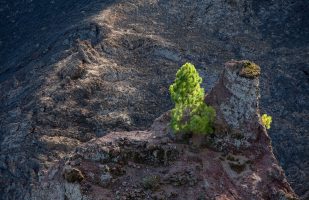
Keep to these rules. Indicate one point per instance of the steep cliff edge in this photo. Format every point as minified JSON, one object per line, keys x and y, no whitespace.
{"x":236,"y":162}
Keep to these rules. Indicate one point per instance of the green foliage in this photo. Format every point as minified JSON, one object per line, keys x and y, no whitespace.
{"x":191,"y":114}
{"x":266,"y":120}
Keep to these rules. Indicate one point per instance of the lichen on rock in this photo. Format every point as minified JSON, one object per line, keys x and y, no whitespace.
{"x":249,"y":69}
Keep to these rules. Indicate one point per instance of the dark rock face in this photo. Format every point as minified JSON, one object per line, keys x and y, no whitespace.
{"x":73,"y":71}
{"x":154,"y":165}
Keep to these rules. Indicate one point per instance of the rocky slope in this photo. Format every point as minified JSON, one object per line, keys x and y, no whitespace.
{"x":75,"y":70}
{"x":235,"y":163}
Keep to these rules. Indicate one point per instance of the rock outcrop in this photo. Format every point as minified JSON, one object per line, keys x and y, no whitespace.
{"x":236,"y":99}
{"x":236,"y":162}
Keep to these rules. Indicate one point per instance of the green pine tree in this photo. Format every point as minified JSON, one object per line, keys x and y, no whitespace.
{"x":190,"y":114}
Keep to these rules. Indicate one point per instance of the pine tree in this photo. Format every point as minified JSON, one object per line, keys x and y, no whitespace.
{"x":190,"y":114}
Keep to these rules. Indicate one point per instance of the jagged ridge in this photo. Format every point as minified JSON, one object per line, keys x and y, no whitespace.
{"x":236,"y":162}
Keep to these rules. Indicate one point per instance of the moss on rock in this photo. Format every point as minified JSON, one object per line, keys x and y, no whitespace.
{"x":249,"y":70}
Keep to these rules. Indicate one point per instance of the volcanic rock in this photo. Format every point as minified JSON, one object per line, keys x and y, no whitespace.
{"x":75,"y":70}
{"x":155,"y":165}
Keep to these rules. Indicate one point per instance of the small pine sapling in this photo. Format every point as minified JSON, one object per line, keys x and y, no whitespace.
{"x":190,"y":114}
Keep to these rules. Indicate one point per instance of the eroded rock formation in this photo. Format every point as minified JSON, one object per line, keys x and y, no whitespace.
{"x":236,"y":162}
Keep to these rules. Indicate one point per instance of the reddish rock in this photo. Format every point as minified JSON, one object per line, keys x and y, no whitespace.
{"x":237,"y":163}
